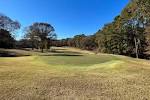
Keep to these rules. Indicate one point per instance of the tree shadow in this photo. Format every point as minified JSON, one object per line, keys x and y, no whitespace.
{"x":141,"y":56}
{"x":65,"y":52}
{"x":145,"y":56}
{"x":75,"y":55}
{"x":60,"y":49}
{"x":11,"y":54}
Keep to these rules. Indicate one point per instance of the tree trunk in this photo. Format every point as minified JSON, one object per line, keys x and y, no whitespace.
{"x":32,"y":45}
{"x":136,"y":48}
{"x":42,"y":49}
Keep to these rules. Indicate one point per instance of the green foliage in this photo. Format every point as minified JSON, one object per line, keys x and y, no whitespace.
{"x":83,"y":42}
{"x":79,"y":41}
{"x":126,"y":34}
{"x":6,"y":40}
{"x":7,"y":26}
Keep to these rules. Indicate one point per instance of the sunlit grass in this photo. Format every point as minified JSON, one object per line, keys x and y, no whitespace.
{"x":74,"y":75}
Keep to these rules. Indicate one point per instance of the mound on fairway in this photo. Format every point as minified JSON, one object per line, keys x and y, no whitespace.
{"x":73,"y":74}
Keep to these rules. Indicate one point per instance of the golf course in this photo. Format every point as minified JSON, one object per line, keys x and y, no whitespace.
{"x":74,"y":50}
{"x":72,"y":74}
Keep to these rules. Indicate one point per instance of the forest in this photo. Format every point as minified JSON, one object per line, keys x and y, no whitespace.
{"x":127,"y":35}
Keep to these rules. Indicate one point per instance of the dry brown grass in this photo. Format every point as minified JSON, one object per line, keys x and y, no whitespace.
{"x":30,"y":78}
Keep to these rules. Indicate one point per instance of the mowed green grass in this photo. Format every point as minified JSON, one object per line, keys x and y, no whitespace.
{"x":76,"y":61}
{"x":71,"y":74}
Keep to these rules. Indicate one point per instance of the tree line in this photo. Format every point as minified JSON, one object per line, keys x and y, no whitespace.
{"x":37,"y":35}
{"x":127,"y":34}
{"x":7,"y":27}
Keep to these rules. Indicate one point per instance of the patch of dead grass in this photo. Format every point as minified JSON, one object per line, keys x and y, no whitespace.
{"x":28,"y":78}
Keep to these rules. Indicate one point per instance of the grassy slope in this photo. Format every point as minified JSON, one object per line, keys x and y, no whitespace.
{"x":72,"y":74}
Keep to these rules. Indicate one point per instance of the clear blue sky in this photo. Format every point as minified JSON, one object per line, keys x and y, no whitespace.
{"x":69,"y":17}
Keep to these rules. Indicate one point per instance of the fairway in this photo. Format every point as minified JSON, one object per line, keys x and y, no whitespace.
{"x":71,"y":74}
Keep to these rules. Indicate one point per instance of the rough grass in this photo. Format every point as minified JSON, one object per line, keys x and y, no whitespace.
{"x":71,"y":74}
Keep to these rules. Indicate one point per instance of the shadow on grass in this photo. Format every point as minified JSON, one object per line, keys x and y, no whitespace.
{"x":145,"y":56}
{"x":141,"y":56}
{"x":12,"y":54}
{"x":75,"y":55}
{"x":60,"y":49}
{"x":65,"y":52}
